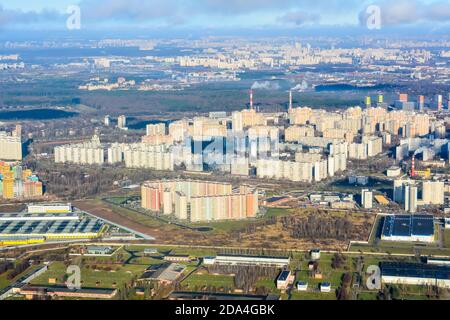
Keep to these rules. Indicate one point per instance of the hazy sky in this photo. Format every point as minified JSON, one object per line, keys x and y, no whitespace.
{"x":129,"y":14}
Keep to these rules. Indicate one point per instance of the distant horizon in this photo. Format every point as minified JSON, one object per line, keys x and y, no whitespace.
{"x":416,"y":33}
{"x":232,"y":17}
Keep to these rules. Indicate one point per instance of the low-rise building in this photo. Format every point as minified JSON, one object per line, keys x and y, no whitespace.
{"x":266,"y":261}
{"x":408,"y":228}
{"x":325,"y":287}
{"x":285,"y":279}
{"x":415,"y":274}
{"x":302,"y":286}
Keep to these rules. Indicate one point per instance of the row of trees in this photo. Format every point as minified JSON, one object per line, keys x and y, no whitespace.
{"x":318,"y":227}
{"x":344,"y":291}
{"x":4,"y":267}
{"x":245,"y":277}
{"x":18,"y":269}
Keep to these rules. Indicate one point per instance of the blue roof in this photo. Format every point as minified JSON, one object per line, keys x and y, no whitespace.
{"x":283,"y":276}
{"x":415,"y":270}
{"x":408,"y":225}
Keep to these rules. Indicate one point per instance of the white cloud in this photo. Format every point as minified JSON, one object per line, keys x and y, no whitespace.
{"x":405,"y":12}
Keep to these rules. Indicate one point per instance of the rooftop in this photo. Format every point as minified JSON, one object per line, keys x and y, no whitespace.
{"x":408,"y":225}
{"x":284,"y":275}
{"x":415,"y":270}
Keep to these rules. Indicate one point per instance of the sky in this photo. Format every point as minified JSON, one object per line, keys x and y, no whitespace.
{"x":221,"y":14}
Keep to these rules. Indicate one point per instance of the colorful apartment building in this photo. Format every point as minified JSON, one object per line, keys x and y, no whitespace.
{"x":18,"y":182}
{"x":198,"y":201}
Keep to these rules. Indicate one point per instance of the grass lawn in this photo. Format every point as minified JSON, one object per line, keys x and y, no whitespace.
{"x":367,"y":295}
{"x":201,"y":280}
{"x":4,"y":281}
{"x":117,"y":200}
{"x":329,"y":274}
{"x":267,"y":283}
{"x":90,"y":277}
{"x":227,"y":226}
{"x":296,"y":295}
{"x":447,"y":238}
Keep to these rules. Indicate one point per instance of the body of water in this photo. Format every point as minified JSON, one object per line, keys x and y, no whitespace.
{"x":36,"y":114}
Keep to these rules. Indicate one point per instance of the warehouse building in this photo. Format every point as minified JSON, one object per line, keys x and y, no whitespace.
{"x":31,"y":291}
{"x":50,"y":227}
{"x":415,"y":274}
{"x":50,"y":208}
{"x":408,"y":228}
{"x":263,"y":261}
{"x":166,"y":273}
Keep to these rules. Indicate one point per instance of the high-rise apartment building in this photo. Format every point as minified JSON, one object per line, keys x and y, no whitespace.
{"x":10,"y":147}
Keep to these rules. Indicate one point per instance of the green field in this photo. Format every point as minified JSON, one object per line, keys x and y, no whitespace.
{"x":202,"y":280}
{"x":227,"y":226}
{"x":296,"y":295}
{"x":91,"y":278}
{"x":447,"y":238}
{"x":4,"y":281}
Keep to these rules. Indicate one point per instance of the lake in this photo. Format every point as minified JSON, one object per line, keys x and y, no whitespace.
{"x":36,"y":114}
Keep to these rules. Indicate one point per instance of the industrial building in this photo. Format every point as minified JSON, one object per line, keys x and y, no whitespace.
{"x":200,"y":200}
{"x":50,"y":208}
{"x":415,"y":274}
{"x":408,"y":228}
{"x":49,"y":226}
{"x":263,"y":261}
{"x":20,"y":241}
{"x":166,"y":273}
{"x":31,"y":291}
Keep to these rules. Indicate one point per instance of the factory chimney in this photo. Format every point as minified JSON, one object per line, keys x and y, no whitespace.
{"x":413,"y":167}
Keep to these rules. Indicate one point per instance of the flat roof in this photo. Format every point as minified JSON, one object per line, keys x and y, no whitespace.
{"x":249,"y":257}
{"x":43,"y":216}
{"x":47,"y":227}
{"x":163,"y":272}
{"x":218,"y":296}
{"x":62,"y":289}
{"x":415,"y":270}
{"x":275,"y":199}
{"x":284,"y":275}
{"x":408,"y":225}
